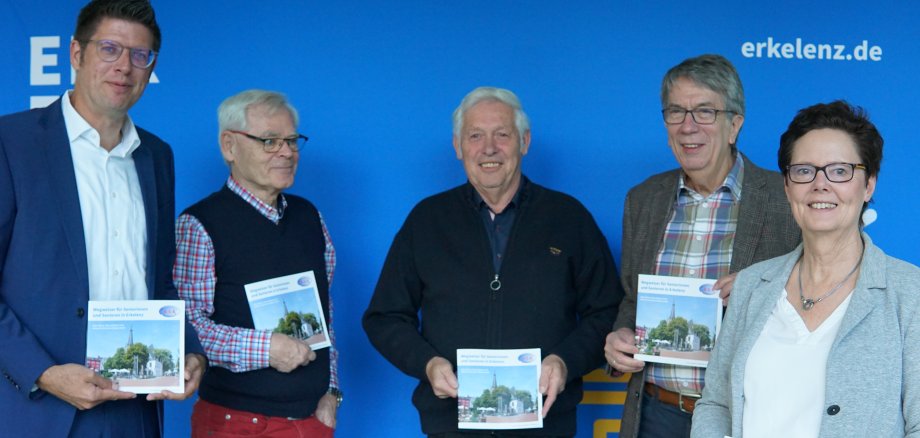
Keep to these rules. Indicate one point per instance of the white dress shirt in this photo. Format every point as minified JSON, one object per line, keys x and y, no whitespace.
{"x":112,"y":209}
{"x":785,"y":374}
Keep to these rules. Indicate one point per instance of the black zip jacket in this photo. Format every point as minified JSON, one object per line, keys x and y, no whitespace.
{"x":559,"y":292}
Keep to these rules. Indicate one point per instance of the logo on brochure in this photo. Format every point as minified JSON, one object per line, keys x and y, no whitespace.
{"x":168,"y":311}
{"x":707,"y":289}
{"x":304,"y":281}
{"x":526,"y":358}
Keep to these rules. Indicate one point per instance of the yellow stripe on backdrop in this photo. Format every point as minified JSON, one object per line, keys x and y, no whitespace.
{"x":594,"y":394}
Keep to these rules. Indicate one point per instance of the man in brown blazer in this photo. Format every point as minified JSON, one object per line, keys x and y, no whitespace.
{"x":715,"y":215}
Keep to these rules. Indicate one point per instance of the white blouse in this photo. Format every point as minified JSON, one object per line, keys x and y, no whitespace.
{"x":785,"y":374}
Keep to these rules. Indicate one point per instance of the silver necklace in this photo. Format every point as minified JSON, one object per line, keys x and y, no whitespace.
{"x":808,"y":303}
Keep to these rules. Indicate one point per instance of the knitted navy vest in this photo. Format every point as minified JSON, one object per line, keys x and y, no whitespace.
{"x":249,"y":248}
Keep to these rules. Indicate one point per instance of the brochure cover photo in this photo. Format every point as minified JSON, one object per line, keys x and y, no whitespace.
{"x":289,"y":305}
{"x":677,"y":320}
{"x":139,"y":345}
{"x":499,"y":389}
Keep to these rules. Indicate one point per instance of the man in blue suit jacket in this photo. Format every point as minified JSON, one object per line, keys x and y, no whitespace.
{"x":85,"y":197}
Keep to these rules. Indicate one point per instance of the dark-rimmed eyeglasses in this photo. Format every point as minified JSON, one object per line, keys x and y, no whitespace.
{"x":834,"y":172}
{"x":273,"y":144}
{"x":110,"y":51}
{"x":676,"y":115}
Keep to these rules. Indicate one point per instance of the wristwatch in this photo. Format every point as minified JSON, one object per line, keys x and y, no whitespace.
{"x":338,"y":394}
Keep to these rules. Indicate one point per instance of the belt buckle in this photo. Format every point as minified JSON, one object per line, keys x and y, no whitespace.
{"x":680,"y":401}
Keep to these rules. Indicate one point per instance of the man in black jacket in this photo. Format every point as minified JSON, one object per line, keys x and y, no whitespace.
{"x":496,"y":263}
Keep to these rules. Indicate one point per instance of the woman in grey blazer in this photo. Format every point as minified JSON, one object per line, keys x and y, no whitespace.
{"x":824,"y":341}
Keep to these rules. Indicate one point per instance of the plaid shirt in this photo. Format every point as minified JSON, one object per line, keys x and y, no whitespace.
{"x":235,"y":348}
{"x":698,"y":244}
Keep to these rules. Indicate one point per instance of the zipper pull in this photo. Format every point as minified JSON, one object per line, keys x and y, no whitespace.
{"x":495,"y":284}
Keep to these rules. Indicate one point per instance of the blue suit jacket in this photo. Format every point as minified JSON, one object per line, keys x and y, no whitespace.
{"x":44,"y":285}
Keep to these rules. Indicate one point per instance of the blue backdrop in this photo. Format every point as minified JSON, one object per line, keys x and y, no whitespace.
{"x":376,"y":81}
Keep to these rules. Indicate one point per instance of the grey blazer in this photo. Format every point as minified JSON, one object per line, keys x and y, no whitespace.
{"x":765,"y":230}
{"x":873,"y":369}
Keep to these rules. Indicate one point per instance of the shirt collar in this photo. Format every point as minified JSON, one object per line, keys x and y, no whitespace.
{"x":731,"y":184}
{"x":275,"y":214}
{"x":78,"y":127}
{"x":476,"y":199}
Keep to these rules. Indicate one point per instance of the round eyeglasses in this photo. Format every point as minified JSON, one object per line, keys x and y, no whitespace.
{"x":110,"y":51}
{"x":834,"y":172}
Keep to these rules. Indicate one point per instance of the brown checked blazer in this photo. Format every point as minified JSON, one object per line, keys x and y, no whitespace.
{"x":766,"y":229}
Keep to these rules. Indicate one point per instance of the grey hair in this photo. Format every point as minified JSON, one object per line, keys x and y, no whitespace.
{"x":231,"y":114}
{"x":713,"y":72}
{"x":480,"y":94}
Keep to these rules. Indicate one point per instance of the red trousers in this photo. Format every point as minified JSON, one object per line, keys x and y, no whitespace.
{"x":213,"y":421}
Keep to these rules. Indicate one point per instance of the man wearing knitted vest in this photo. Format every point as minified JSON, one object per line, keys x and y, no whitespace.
{"x":262,"y":382}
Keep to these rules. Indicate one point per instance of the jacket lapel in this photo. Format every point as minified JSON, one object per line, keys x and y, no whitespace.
{"x":143,"y":162}
{"x":870,"y":284}
{"x":53,"y":141}
{"x":662,"y":202}
{"x":772,"y":283}
{"x":751,"y":216}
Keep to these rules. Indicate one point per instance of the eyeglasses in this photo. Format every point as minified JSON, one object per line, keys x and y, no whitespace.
{"x":701,"y":116}
{"x":272,"y":145}
{"x":834,"y":172}
{"x":110,"y":51}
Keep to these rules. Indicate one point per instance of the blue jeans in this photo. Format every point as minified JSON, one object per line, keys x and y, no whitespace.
{"x":661,"y":420}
